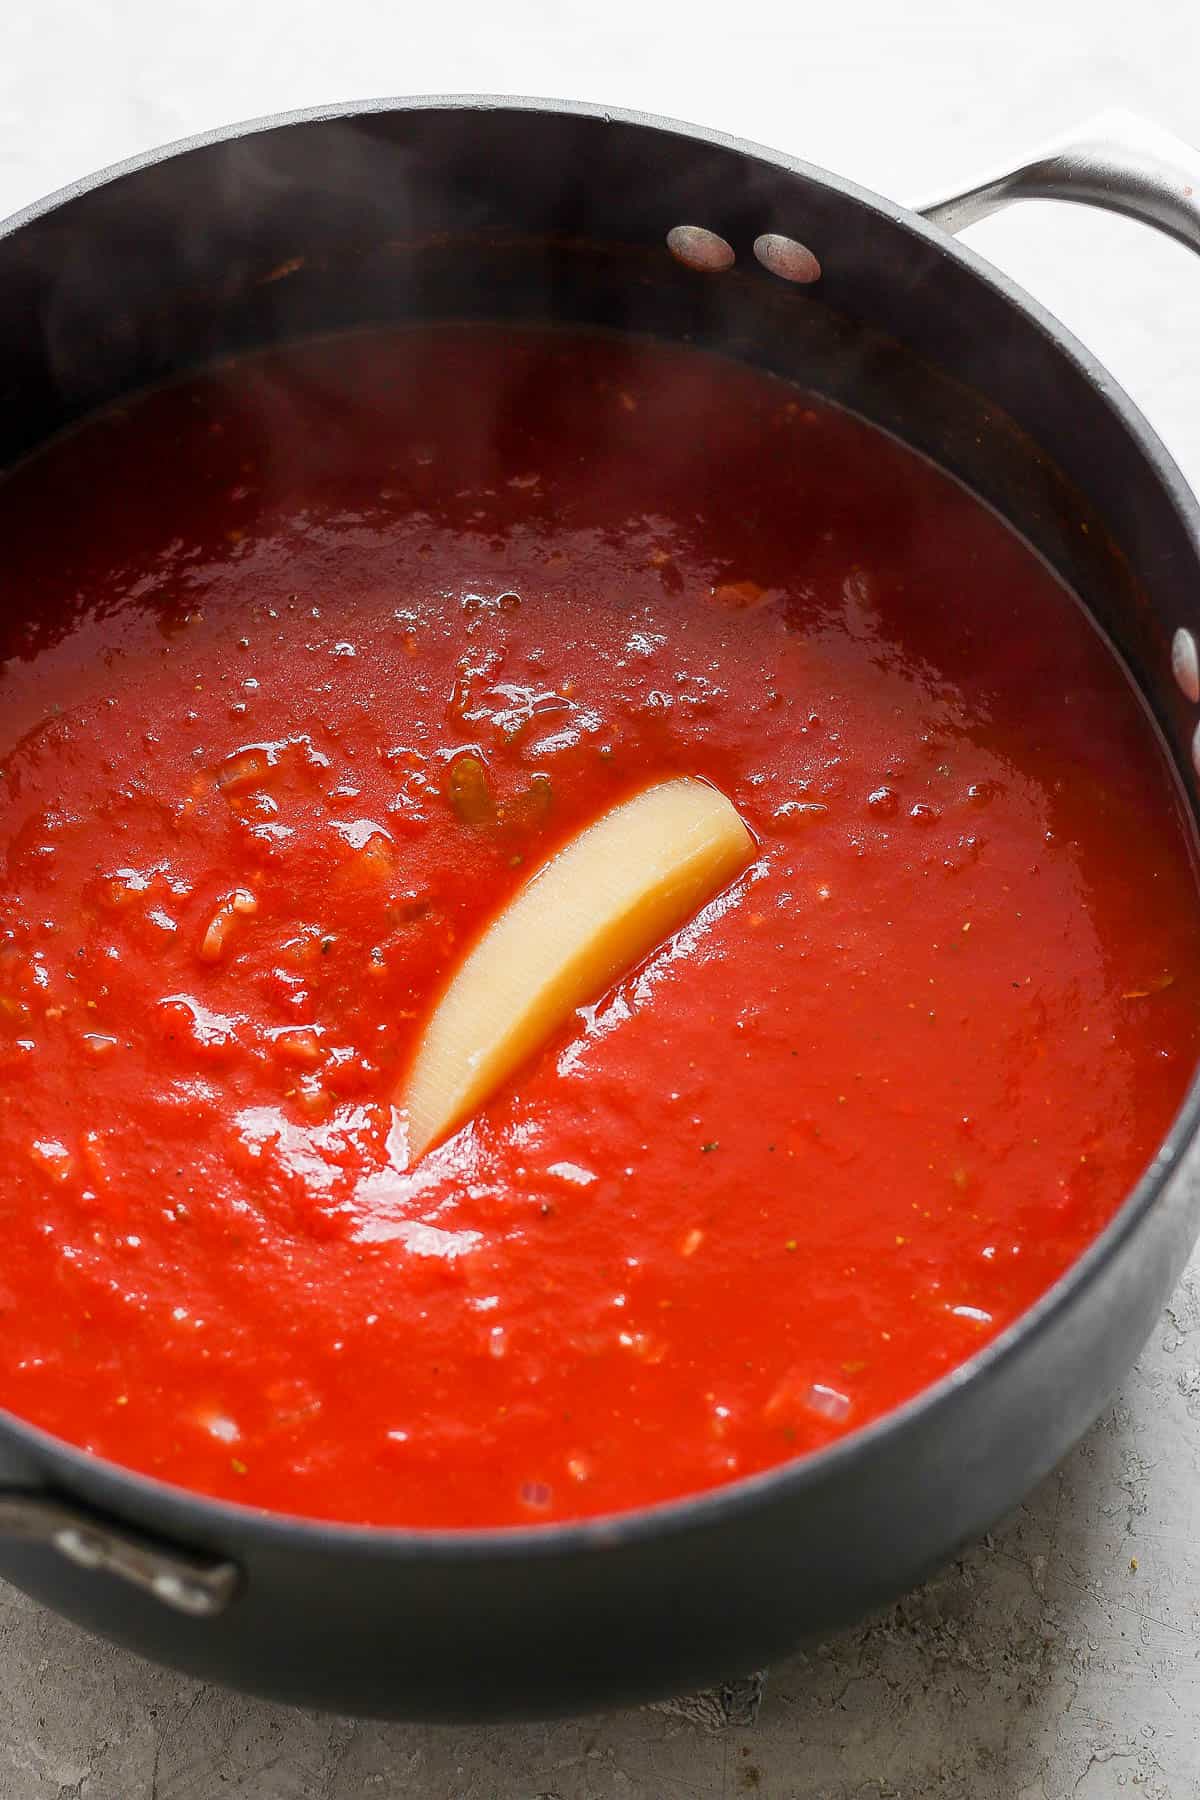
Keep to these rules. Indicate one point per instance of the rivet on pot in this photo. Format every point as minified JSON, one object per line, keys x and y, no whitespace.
{"x":1196,"y":750}
{"x":698,"y":248}
{"x":787,"y":258}
{"x":1185,"y":664}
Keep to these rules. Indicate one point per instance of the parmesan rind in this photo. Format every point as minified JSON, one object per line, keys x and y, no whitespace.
{"x":594,"y":909}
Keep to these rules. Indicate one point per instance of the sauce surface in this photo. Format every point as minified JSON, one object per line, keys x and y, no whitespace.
{"x":310,"y":661}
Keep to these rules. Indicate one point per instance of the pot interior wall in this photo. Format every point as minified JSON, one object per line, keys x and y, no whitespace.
{"x":527,"y":214}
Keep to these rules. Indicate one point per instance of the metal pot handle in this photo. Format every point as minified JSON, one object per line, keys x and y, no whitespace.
{"x":1116,"y":161}
{"x":197,"y":1586}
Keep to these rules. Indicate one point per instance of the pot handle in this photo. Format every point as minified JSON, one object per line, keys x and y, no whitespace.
{"x":1116,"y":161}
{"x":197,"y":1586}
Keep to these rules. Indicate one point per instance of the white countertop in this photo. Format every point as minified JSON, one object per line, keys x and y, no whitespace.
{"x":1044,"y":1664}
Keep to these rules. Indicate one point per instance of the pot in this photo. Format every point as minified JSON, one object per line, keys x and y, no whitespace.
{"x":528,"y":211}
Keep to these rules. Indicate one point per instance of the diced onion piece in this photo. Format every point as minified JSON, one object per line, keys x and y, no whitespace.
{"x":598,"y":906}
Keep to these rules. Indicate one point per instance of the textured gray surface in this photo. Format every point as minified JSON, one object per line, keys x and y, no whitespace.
{"x":1060,"y":1660}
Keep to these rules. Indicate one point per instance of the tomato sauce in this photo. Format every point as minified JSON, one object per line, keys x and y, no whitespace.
{"x":310,"y":660}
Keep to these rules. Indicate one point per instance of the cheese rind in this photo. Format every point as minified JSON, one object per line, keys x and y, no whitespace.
{"x":593,"y":910}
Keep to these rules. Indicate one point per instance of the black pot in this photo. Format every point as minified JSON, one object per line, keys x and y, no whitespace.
{"x":524,"y":211}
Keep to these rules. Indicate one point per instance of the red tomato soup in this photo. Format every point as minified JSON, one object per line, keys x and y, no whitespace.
{"x":310,"y":661}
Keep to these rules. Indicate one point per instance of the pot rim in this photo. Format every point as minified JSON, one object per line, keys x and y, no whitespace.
{"x":205,"y":1517}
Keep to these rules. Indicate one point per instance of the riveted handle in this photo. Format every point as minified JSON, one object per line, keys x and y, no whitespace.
{"x":1116,"y":161}
{"x":197,"y":1586}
